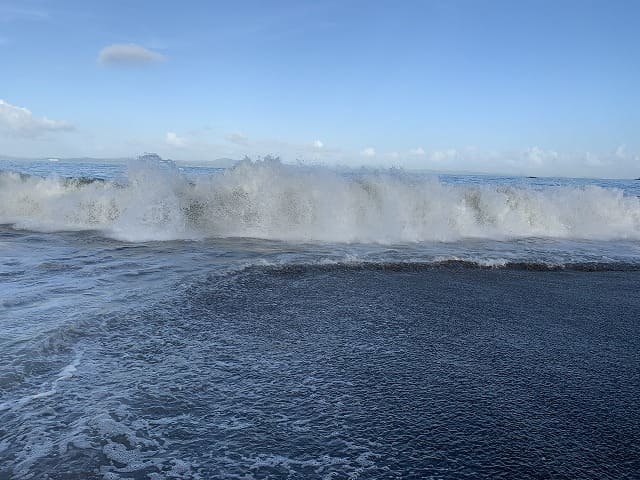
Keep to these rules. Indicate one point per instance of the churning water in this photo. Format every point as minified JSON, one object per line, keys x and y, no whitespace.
{"x":274,"y":321}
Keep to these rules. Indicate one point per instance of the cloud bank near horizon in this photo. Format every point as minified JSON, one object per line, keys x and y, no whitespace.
{"x":25,"y":131}
{"x":618,"y":162}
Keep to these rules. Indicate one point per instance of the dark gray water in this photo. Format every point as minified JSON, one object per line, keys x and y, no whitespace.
{"x":343,"y":372}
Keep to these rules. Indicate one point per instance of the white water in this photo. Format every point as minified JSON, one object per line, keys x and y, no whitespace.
{"x":66,"y":373}
{"x":270,"y":200}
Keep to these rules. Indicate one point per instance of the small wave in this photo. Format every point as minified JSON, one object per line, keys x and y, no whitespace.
{"x":269,"y":200}
{"x":452,"y":265}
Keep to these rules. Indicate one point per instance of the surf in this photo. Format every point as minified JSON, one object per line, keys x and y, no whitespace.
{"x":274,"y":201}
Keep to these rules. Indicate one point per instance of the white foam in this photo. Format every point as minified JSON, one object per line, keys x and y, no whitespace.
{"x":483,"y":262}
{"x":273,"y":201}
{"x":65,"y":374}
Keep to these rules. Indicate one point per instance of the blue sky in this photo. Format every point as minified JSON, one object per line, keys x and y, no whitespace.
{"x":530,"y":87}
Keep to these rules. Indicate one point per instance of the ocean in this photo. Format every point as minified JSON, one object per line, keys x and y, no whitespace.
{"x":297,"y":321}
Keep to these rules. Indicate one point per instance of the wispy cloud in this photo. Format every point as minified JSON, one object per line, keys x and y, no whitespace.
{"x":174,"y":140}
{"x":238,"y":138}
{"x":317,"y":145}
{"x":21,"y":122}
{"x":537,"y":157}
{"x":368,"y":152}
{"x":444,"y":155}
{"x":621,"y":152}
{"x":128,"y":54}
{"x":10,"y":13}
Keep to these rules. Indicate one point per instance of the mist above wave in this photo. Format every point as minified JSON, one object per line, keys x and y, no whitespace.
{"x":270,"y":200}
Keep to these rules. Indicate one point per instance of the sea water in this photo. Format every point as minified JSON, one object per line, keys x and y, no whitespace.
{"x":279,"y":321}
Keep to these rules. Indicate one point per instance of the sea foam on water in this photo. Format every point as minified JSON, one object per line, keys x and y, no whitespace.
{"x":270,"y":200}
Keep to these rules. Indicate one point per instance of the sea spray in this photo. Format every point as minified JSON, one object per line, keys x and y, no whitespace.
{"x":270,"y":200}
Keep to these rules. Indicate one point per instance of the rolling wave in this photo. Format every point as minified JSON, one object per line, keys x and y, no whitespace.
{"x":270,"y":200}
{"x":452,"y":265}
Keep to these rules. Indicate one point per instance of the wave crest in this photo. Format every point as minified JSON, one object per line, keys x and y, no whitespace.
{"x":269,"y":200}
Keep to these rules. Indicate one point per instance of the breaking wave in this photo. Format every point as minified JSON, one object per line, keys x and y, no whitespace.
{"x":269,"y":200}
{"x":452,"y":265}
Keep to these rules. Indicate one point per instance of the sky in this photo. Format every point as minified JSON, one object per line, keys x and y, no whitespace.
{"x":527,"y":87}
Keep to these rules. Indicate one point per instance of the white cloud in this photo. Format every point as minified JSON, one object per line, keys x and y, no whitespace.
{"x":21,"y":122}
{"x":418,"y":152}
{"x":317,"y":144}
{"x":592,"y":160}
{"x":444,"y":155}
{"x":539,"y":157}
{"x":238,"y":138}
{"x":128,"y":54}
{"x":368,"y":152}
{"x":174,"y":140}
